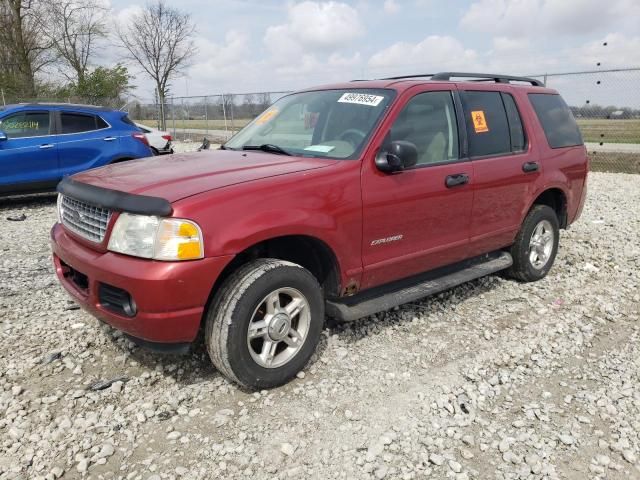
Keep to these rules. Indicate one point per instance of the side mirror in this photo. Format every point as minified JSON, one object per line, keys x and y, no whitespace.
{"x":3,"y":136}
{"x":399,"y":156}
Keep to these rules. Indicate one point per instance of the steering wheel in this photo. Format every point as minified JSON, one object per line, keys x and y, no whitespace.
{"x":353,"y":136}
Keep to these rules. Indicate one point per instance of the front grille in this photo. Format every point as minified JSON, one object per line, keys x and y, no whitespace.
{"x":85,"y":219}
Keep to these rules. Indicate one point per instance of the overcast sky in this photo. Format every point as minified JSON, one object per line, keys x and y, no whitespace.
{"x":251,"y":45}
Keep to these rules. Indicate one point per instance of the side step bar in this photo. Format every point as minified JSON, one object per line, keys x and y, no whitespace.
{"x":368,"y":302}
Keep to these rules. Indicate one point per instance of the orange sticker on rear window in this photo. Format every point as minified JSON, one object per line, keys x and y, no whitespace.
{"x":266,"y":116}
{"x":479,"y":122}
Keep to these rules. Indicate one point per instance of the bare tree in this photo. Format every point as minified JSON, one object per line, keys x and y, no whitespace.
{"x":264,"y":100}
{"x":24,"y":50}
{"x":74,"y":27}
{"x":160,"y":40}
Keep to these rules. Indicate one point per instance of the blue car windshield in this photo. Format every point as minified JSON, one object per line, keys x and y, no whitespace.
{"x":324,"y":123}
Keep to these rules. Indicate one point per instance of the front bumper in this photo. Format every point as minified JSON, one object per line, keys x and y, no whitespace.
{"x":169,"y":297}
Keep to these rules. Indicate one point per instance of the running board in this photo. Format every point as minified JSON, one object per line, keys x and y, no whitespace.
{"x":384,"y":298}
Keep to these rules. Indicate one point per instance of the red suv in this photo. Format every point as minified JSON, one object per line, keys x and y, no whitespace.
{"x":342,"y":200}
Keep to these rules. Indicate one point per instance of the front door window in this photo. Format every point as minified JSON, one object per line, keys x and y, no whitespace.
{"x":26,"y":124}
{"x":428,"y":121}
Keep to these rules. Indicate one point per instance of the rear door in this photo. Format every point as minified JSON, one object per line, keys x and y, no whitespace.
{"x":86,"y":141}
{"x":505,"y":165}
{"x":29,"y":155}
{"x":418,"y":219}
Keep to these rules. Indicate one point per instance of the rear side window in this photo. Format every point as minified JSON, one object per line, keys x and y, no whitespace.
{"x":26,"y":124}
{"x":557,"y":120}
{"x":487,"y":124}
{"x":77,"y":123}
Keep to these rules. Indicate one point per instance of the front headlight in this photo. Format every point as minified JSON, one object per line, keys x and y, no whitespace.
{"x":157,"y":238}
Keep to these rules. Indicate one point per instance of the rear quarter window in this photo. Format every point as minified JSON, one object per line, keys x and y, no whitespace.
{"x":100,"y":123}
{"x":557,"y":121}
{"x":125,"y":119}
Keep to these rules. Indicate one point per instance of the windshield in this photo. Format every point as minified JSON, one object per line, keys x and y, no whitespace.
{"x":324,"y":123}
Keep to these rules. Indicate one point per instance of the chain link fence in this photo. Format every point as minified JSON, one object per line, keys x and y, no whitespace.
{"x":215,"y":117}
{"x":606,"y":104}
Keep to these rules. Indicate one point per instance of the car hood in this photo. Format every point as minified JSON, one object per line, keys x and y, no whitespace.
{"x":179,"y":176}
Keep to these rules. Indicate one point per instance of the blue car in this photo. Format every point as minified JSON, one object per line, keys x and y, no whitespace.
{"x":42,"y":143}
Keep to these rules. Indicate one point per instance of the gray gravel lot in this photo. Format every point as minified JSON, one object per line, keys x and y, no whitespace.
{"x":493,"y":379}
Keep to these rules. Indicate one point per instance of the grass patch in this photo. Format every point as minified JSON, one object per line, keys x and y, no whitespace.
{"x":615,"y":162}
{"x":609,"y":131}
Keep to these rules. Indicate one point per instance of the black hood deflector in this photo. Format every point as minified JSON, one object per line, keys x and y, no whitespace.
{"x":114,"y":199}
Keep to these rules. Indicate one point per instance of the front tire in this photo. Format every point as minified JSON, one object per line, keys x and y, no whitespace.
{"x":536,"y":245}
{"x":265,"y":323}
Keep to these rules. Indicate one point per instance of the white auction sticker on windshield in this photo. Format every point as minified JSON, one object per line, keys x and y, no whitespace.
{"x":320,"y":148}
{"x":361,"y":99}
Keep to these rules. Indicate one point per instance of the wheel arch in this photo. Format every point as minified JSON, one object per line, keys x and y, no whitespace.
{"x":308,"y":251}
{"x":555,"y":198}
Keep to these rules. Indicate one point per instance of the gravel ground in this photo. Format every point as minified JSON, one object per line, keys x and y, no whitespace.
{"x":493,"y":379}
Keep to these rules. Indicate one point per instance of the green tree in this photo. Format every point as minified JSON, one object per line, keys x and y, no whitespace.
{"x":104,"y":83}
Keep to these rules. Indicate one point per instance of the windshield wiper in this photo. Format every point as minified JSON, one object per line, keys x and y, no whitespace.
{"x":267,"y":147}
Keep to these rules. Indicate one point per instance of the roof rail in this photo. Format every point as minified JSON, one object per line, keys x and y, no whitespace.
{"x":487,"y":76}
{"x":401,"y":77}
{"x":63,"y":104}
{"x":480,"y":77}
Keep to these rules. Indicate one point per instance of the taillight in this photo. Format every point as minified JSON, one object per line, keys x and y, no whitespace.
{"x":167,"y":137}
{"x":142,"y":137}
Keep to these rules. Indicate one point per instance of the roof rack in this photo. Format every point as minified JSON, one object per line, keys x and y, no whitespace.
{"x":401,"y":77}
{"x":62,"y":104}
{"x":480,"y":77}
{"x":487,"y":76}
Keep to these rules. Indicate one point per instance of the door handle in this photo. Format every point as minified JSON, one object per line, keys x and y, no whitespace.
{"x":456,"y":180}
{"x":109,"y":139}
{"x":46,"y":145}
{"x":529,"y":167}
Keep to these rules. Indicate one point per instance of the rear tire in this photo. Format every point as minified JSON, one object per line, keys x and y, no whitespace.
{"x":265,"y":323}
{"x":536,"y":245}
